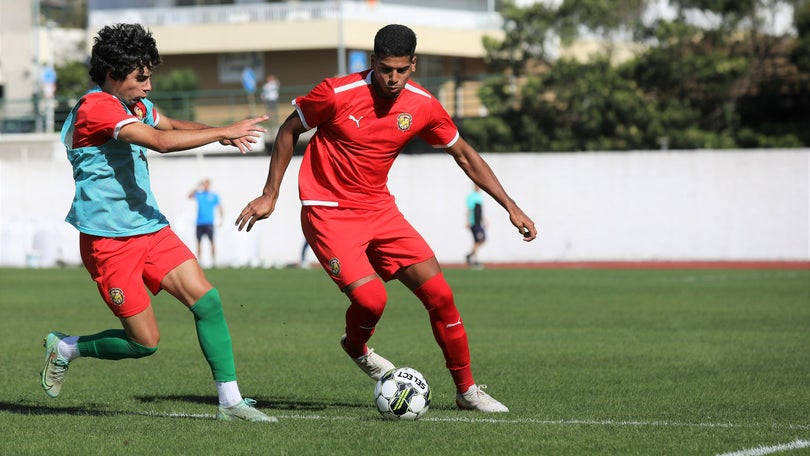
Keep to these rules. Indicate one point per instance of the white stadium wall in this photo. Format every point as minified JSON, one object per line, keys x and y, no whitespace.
{"x":605,"y":206}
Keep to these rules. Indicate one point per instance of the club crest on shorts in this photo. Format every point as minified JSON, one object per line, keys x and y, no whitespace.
{"x":334,"y":266}
{"x":404,"y":121}
{"x":117,"y":296}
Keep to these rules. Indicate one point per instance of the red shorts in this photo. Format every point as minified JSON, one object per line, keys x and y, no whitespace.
{"x":354,"y":243}
{"x":122,"y":266}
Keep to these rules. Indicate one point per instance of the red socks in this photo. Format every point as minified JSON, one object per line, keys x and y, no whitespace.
{"x":366,"y":308}
{"x":367,"y":305}
{"x":448,"y":329}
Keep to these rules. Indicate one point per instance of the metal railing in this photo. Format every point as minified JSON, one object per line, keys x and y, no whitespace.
{"x":219,"y":107}
{"x":454,"y":14}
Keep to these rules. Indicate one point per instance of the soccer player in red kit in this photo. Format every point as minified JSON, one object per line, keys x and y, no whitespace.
{"x":348,"y":215}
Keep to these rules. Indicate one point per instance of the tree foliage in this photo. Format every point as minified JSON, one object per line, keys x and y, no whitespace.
{"x":72,"y":80}
{"x":172,"y":92}
{"x":800,"y":55}
{"x":723,"y":83}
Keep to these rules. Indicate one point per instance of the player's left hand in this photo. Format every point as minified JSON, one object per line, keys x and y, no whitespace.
{"x":258,"y":209}
{"x":523,"y":223}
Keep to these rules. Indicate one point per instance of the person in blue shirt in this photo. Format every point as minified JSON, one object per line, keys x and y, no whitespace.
{"x":207,"y":202}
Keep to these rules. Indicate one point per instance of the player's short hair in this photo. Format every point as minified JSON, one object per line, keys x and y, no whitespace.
{"x":395,"y":40}
{"x":120,"y":49}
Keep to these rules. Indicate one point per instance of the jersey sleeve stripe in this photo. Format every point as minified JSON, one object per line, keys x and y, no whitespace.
{"x":450,"y":144}
{"x":301,"y":115}
{"x":417,"y":91}
{"x":351,"y":86}
{"x":121,"y":124}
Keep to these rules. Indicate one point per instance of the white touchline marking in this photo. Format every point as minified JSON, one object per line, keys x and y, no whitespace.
{"x":803,"y":427}
{"x":176,"y":415}
{"x":616,"y":423}
{"x":794,"y":445}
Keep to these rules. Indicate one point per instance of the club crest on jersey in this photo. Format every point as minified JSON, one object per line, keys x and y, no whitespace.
{"x":138,"y":112}
{"x":117,"y":296}
{"x":334,"y":266}
{"x":404,"y":121}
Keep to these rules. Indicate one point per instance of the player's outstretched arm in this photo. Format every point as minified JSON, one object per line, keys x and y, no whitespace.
{"x":243,"y":144}
{"x":469,"y":160}
{"x":166,"y":138}
{"x":283,"y":147}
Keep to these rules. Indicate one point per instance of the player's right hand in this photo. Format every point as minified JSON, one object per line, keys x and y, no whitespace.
{"x":243,"y":134}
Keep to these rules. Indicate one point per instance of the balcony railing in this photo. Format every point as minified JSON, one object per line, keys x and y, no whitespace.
{"x":475,"y":15}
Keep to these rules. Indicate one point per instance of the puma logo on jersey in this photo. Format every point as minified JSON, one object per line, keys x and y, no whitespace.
{"x":355,"y":119}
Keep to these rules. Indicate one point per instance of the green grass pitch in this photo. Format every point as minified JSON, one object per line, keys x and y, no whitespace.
{"x":590,"y":361}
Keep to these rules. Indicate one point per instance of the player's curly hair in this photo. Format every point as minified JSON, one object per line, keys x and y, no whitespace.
{"x":395,"y":40}
{"x":120,"y":49}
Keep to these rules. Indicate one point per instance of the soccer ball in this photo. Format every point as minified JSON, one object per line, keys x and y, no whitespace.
{"x":402,"y":394}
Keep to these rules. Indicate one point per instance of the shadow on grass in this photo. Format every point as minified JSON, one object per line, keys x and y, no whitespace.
{"x":88,"y":410}
{"x":23,"y":409}
{"x":261,"y":402}
{"x":278,"y":403}
{"x":98,"y":410}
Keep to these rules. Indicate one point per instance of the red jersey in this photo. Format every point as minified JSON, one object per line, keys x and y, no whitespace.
{"x":101,"y":116}
{"x":359,"y":135}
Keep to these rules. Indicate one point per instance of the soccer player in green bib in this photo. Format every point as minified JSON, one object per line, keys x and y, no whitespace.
{"x":126,"y":243}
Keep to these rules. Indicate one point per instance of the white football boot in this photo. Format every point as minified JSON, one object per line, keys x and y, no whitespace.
{"x":476,"y":399}
{"x":371,"y":363}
